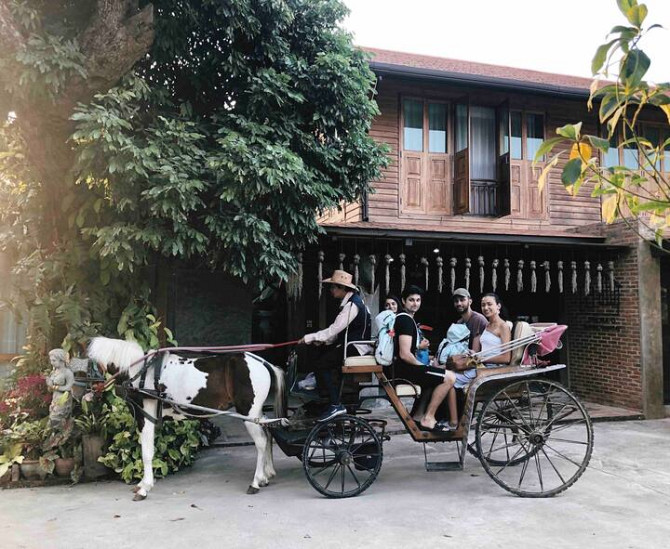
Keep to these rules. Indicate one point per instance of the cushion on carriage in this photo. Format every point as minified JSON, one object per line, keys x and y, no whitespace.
{"x":361,"y":365}
{"x":522,"y":329}
{"x":408,"y":390}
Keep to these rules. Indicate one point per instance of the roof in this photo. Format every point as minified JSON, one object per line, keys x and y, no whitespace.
{"x":442,"y":68}
{"x":547,"y":236}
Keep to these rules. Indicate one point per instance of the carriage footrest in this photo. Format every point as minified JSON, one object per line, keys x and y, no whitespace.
{"x":442,"y":465}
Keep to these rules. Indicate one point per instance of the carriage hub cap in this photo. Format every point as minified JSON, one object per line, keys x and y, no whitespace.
{"x":346,"y":458}
{"x":536,"y":437}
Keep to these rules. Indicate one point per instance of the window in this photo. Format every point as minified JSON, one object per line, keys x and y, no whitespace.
{"x":625,"y":153}
{"x":516,"y":135}
{"x":461,"y":127}
{"x":437,"y":128}
{"x":534,"y":134}
{"x":413,"y":130}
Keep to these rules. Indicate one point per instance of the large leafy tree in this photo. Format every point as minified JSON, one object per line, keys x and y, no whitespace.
{"x":638,"y":195}
{"x":208,"y":131}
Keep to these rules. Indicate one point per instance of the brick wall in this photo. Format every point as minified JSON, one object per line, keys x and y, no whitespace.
{"x":604,"y":343}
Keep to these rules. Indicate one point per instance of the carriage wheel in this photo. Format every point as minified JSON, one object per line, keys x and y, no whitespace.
{"x":534,"y":438}
{"x":342,"y":458}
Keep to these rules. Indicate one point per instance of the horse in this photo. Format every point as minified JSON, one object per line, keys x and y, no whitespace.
{"x":199,"y":387}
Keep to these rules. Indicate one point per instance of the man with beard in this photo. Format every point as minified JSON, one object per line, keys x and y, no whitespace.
{"x":476,"y":323}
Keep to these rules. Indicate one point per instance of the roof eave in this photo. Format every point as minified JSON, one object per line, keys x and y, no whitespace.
{"x":478,"y":80}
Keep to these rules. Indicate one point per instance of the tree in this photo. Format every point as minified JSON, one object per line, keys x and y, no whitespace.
{"x":639,"y":195}
{"x":238,"y":123}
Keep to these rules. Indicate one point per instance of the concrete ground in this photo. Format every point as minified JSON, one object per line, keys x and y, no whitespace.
{"x":621,"y":501}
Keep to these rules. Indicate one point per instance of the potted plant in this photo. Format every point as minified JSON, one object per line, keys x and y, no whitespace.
{"x":11,"y":454}
{"x":58,"y":449}
{"x":31,"y":435}
{"x":93,"y":429}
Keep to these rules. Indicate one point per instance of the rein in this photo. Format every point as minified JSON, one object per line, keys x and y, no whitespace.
{"x":153,"y":358}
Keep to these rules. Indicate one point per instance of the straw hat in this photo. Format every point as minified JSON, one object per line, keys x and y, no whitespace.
{"x":341,"y":278}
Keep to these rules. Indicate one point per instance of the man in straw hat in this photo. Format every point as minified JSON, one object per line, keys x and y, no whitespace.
{"x":351,"y":324}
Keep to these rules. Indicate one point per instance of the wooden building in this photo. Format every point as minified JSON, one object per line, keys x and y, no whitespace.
{"x":459,"y":204}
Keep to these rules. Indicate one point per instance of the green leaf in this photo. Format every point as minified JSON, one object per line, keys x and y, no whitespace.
{"x":571,"y":172}
{"x":546,"y":147}
{"x":599,"y":142}
{"x":570,"y":131}
{"x":634,"y":67}
{"x":600,"y":56}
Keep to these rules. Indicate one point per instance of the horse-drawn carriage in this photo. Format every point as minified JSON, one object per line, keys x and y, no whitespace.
{"x":532,"y":436}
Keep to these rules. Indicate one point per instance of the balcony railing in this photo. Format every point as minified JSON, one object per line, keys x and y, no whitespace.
{"x":483,"y":197}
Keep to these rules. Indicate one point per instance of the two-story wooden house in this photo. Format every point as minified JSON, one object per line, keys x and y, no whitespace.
{"x":459,"y":205}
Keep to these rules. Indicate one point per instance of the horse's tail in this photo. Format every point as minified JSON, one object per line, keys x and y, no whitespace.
{"x":280,"y":400}
{"x":121,"y":353}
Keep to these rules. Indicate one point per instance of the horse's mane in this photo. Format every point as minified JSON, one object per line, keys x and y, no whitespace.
{"x":115,"y":351}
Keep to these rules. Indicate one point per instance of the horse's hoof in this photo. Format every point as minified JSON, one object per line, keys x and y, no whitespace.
{"x":139,"y":497}
{"x":263,"y":484}
{"x":252,"y":490}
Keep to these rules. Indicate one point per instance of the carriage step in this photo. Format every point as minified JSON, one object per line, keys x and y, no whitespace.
{"x":442,"y":465}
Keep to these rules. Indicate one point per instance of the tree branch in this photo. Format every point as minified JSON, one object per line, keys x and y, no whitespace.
{"x":117,"y":37}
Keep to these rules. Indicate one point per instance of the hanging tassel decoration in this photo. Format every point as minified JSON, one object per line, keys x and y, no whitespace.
{"x":587,"y":277}
{"x":452,"y":264}
{"x":519,"y":276}
{"x":573,"y":267}
{"x":341,"y":257}
{"x":468,"y":264}
{"x":480,"y":260}
{"x":508,"y":275}
{"x":599,"y":278}
{"x":320,"y":257}
{"x":547,"y":276}
{"x":610,"y":273}
{"x":533,"y":278}
{"x":560,"y":276}
{"x":402,"y":258}
{"x":357,"y":260}
{"x":424,"y":262}
{"x":438,"y":260}
{"x":387,"y":275}
{"x":494,"y":274}
{"x":373,"y":267}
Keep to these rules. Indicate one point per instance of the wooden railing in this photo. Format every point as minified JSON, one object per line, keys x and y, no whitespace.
{"x":483,"y":196}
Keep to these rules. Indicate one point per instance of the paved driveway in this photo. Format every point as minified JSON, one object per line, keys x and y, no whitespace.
{"x":622,"y":501}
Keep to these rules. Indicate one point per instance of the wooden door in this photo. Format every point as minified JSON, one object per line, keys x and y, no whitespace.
{"x":462,"y":158}
{"x":424,"y":185}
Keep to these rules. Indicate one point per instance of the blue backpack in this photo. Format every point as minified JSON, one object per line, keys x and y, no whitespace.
{"x":456,"y":342}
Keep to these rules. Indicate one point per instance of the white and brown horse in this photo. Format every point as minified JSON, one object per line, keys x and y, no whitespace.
{"x":195,"y":385}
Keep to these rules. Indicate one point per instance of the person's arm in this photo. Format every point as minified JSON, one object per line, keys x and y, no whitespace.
{"x":505,"y":337}
{"x":405,"y":350}
{"x":328,"y":335}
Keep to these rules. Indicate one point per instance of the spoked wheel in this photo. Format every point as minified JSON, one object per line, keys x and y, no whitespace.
{"x":534,"y":438}
{"x":342,"y":458}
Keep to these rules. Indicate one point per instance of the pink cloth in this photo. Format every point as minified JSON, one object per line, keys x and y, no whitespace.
{"x":549,"y":339}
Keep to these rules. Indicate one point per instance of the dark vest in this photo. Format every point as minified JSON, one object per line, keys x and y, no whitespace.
{"x":359,"y":329}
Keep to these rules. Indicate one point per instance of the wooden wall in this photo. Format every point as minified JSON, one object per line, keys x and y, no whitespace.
{"x":557,"y":211}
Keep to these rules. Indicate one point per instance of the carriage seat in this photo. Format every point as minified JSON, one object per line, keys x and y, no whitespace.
{"x":361,"y":365}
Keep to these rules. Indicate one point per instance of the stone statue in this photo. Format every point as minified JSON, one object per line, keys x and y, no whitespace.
{"x":60,"y":381}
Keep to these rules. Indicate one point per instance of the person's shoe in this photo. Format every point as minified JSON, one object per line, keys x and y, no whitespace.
{"x":332,"y":412}
{"x":309,"y":383}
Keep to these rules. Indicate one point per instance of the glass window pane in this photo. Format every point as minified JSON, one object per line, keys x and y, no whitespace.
{"x":630,"y":158}
{"x":413,"y":131}
{"x":534,"y":134}
{"x":437,"y":128}
{"x":503,"y":131}
{"x":653,"y":134}
{"x":611,"y":157}
{"x":461,"y":127}
{"x":516,"y":135}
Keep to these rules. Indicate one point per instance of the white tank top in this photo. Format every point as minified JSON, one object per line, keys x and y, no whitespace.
{"x":488,"y":341}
